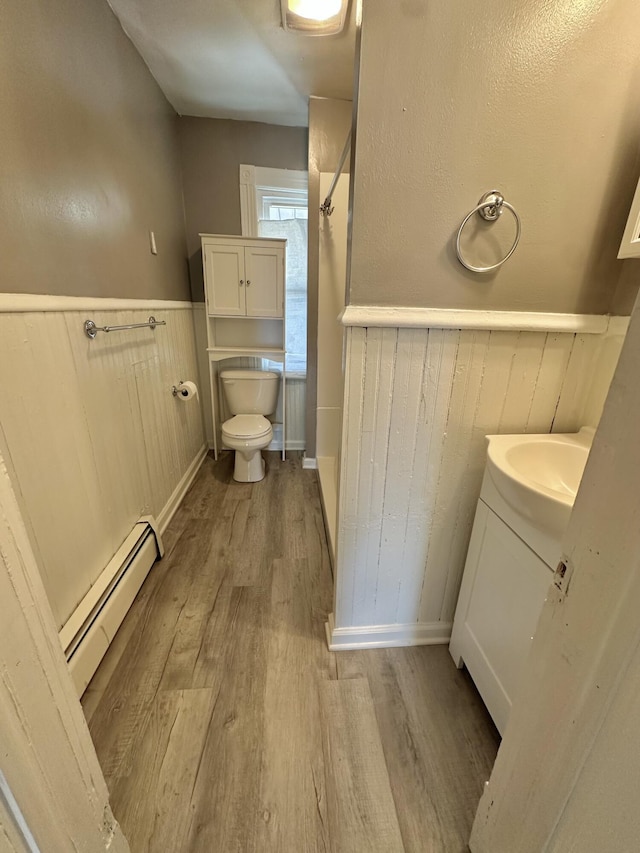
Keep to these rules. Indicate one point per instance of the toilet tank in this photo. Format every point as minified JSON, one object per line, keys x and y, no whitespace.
{"x":250,"y":392}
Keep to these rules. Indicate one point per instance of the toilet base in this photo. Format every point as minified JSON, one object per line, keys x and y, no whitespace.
{"x":248,"y":470}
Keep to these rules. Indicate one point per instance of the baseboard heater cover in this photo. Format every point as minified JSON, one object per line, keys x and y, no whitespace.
{"x":88,"y":632}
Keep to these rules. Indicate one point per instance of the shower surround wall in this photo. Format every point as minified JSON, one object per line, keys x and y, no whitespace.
{"x":330,"y":121}
{"x":446,"y":111}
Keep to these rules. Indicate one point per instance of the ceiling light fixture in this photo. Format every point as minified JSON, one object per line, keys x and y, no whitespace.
{"x":314,"y":17}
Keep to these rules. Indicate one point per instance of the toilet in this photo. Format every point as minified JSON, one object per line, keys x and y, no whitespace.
{"x":250,"y":395}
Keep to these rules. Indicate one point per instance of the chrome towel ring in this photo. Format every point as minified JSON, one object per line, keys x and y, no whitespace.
{"x":490,"y":207}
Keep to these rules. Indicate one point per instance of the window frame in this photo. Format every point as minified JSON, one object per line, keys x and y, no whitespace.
{"x":261,"y":179}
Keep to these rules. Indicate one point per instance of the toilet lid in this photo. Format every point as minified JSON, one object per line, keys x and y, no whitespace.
{"x":247,"y":426}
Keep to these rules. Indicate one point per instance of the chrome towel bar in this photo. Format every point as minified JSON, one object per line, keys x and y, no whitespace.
{"x":489,"y":207}
{"x":91,"y":330}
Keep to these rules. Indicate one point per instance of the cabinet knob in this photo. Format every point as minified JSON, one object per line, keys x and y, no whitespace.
{"x":248,"y":282}
{"x":241,"y":282}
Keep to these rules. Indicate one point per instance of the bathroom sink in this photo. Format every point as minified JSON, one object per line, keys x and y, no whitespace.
{"x":538,"y":475}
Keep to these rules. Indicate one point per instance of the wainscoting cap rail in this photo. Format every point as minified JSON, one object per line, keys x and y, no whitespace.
{"x":445,"y":318}
{"x":25,"y":303}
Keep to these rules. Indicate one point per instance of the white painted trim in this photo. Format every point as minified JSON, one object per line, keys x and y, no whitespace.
{"x":289,"y":179}
{"x":443,"y":318}
{"x":47,"y":751}
{"x":618,"y":326}
{"x":328,"y":499}
{"x":25,"y":303}
{"x":253,"y":177}
{"x":309,"y":463}
{"x":181,"y":490}
{"x":630,"y":245}
{"x":248,"y":210}
{"x":26,"y":836}
{"x":386,"y":636}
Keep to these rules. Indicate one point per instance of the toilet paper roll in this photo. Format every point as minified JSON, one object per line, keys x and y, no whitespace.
{"x":187,"y":390}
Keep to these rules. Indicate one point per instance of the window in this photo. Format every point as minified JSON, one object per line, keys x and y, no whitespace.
{"x":274,"y":203}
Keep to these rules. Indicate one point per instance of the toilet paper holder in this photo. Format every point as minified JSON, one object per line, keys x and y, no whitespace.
{"x":185,"y":390}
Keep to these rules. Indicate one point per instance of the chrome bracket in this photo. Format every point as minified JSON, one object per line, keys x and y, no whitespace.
{"x":490,"y":205}
{"x":325,"y":207}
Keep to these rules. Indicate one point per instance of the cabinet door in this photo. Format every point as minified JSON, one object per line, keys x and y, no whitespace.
{"x":225,"y":280}
{"x":265,"y":281}
{"x":503,"y":590}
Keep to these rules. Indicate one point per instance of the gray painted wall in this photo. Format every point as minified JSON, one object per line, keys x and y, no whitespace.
{"x":539,"y":99}
{"x":211,"y":151}
{"x":88,"y":159}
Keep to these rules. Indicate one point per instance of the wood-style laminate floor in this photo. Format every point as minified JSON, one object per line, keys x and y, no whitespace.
{"x":223,"y":723}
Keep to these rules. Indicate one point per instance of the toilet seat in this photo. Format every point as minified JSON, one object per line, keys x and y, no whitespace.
{"x":246,"y":426}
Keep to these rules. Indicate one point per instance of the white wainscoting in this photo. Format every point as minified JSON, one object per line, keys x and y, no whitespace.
{"x":418,"y":403}
{"x":296,"y":411}
{"x":93,"y":436}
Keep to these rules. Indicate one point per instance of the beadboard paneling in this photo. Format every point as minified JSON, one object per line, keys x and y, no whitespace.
{"x":94,"y":437}
{"x":296,"y":411}
{"x":418,"y":404}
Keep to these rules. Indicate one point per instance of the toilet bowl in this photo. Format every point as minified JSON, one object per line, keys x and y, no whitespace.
{"x":250,"y":395}
{"x":247,"y":435}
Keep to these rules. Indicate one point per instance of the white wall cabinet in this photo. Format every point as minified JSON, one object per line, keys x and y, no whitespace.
{"x":503,"y":590}
{"x":244,"y":281}
{"x":224,"y":280}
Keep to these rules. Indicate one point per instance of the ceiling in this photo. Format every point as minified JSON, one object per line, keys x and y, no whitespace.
{"x":232,"y":58}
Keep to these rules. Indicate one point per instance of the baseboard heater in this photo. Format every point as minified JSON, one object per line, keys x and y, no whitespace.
{"x":88,"y":632}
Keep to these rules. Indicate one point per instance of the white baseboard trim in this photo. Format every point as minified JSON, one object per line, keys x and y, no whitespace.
{"x":310,"y":463}
{"x":386,"y":636}
{"x":169,"y":509}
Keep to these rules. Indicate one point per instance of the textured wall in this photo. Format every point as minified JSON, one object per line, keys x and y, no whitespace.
{"x":211,"y":153}
{"x":539,"y":99}
{"x":88,"y":158}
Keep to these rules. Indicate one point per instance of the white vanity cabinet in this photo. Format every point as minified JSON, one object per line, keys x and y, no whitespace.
{"x":504,"y":587}
{"x":244,"y":283}
{"x":244,"y":279}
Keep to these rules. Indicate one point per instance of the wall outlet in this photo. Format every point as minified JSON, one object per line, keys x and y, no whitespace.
{"x":152,"y":243}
